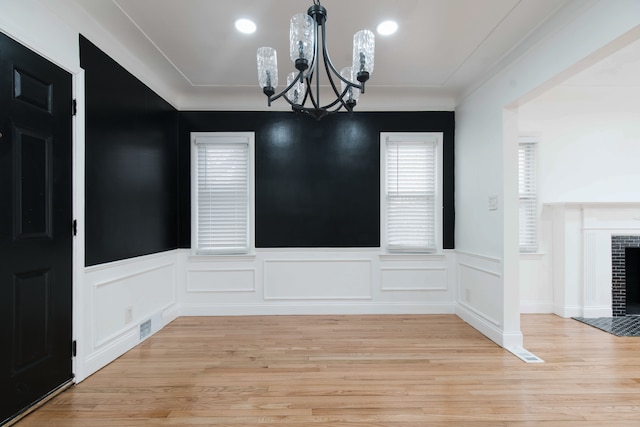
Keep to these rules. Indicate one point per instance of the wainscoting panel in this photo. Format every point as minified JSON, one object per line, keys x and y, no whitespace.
{"x":221,"y":280}
{"x":480,"y":288}
{"x":120,"y":296}
{"x":414,"y":279}
{"x":480,"y":293}
{"x":317,"y":279}
{"x":135,"y":297}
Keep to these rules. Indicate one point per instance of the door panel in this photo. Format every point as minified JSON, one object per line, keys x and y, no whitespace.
{"x":32,"y":90}
{"x":32,"y":177}
{"x":35,"y":227}
{"x":32,"y":306}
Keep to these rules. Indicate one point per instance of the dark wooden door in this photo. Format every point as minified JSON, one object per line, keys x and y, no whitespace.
{"x":35,"y":227}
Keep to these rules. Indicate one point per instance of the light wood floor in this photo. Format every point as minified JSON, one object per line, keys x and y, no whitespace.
{"x":358,"y":371}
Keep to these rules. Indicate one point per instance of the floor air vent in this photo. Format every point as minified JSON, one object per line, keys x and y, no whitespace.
{"x":525,"y":355}
{"x":145,"y":329}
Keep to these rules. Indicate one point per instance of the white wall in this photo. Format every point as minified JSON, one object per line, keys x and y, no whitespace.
{"x":29,"y":23}
{"x":485,"y":155}
{"x":589,"y":143}
{"x":588,"y":153}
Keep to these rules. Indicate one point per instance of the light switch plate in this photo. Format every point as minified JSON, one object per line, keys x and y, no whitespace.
{"x":493,"y":203}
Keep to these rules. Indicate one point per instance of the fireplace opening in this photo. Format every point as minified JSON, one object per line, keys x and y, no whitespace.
{"x":632,"y":279}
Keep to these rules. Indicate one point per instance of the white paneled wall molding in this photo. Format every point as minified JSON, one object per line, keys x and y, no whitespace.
{"x":316,"y":281}
{"x":480,"y":303}
{"x":118,"y":298}
{"x":121,"y":296}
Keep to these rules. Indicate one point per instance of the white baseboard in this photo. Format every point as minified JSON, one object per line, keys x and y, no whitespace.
{"x":315,"y":308}
{"x":579,"y":311}
{"x":127,"y":340}
{"x":170,"y":314}
{"x":108,"y":353}
{"x":489,"y":329}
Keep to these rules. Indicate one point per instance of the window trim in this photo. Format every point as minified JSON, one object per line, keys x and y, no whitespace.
{"x":437,"y":138}
{"x":223,"y":137}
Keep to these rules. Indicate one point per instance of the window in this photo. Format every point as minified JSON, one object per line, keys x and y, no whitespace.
{"x":411,"y":187}
{"x":528,"y":195}
{"x":222,"y":167}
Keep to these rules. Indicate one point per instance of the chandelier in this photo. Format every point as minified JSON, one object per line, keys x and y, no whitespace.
{"x":303,"y":51}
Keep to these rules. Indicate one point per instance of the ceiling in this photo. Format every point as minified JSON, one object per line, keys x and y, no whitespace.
{"x":442,"y":49}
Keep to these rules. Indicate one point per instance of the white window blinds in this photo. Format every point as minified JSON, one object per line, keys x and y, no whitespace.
{"x":528,"y":197}
{"x":222,"y":195}
{"x":410,"y":196}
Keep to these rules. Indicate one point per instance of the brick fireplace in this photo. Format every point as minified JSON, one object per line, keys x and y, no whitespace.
{"x":624,"y":268}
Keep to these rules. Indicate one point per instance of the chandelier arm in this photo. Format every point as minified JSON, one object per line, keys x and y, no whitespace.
{"x":286,"y":98}
{"x":326,"y":108}
{"x":310,"y":73}
{"x":317,"y":59}
{"x":317,"y":113}
{"x":339,"y":96}
{"x":306,"y":91}
{"x":339,"y":99}
{"x":340,"y":108}
{"x":284,"y":91}
{"x":329,"y":65}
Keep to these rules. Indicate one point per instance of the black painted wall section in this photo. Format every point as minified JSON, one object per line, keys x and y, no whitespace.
{"x":317,"y":183}
{"x":131,"y":170}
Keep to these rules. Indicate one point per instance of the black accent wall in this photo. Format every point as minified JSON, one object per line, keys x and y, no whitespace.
{"x":317,"y":183}
{"x":131,"y":170}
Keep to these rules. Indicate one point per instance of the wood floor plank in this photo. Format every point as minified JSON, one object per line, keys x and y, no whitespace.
{"x":356,"y":371}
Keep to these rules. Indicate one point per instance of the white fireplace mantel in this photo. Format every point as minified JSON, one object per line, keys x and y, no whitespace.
{"x":581,"y":253}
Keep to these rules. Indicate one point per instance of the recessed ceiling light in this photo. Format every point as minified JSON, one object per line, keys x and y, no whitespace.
{"x":245,"y":26}
{"x":387,"y":28}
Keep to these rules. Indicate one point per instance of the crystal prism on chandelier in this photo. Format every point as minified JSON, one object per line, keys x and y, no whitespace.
{"x":303,"y":86}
